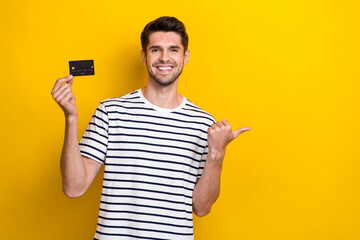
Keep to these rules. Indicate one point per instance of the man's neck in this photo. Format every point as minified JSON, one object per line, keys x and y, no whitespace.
{"x":163,"y":96}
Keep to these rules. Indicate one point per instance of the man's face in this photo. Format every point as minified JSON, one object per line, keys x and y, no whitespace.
{"x":165,"y":57}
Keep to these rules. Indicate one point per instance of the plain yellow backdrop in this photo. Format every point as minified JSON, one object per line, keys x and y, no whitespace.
{"x":287,"y":69}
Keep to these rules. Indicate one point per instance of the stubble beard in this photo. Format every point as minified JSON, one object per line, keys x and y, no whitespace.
{"x":160,"y":81}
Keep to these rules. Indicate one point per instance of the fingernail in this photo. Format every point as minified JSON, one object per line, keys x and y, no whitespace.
{"x":70,"y":76}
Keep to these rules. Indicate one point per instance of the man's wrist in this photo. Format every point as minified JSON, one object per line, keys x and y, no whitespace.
{"x":216,"y":157}
{"x":71,"y":119}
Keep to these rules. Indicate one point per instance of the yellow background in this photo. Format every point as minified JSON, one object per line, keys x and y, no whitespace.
{"x":287,"y":69}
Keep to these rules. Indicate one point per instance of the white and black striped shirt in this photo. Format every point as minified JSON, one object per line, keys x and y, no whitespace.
{"x":152,"y":158}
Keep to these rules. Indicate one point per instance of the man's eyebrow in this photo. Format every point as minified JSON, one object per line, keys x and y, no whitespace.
{"x":157,"y":46}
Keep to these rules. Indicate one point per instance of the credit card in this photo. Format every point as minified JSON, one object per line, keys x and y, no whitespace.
{"x":82,"y":68}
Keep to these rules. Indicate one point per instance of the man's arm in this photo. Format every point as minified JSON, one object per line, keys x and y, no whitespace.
{"x":207,"y":188}
{"x":77,"y":171}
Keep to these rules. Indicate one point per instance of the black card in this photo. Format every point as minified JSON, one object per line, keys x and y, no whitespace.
{"x":82,"y":68}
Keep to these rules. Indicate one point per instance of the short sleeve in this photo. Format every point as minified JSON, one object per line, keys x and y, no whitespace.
{"x":94,"y":142}
{"x":206,"y":150}
{"x":202,"y":162}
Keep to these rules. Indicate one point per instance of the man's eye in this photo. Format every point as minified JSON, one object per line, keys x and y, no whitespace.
{"x":154,"y":50}
{"x":174,"y":50}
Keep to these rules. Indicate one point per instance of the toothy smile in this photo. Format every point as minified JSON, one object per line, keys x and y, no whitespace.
{"x":164,"y":68}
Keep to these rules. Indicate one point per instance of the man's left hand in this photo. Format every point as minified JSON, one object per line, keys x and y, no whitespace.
{"x":220,"y":134}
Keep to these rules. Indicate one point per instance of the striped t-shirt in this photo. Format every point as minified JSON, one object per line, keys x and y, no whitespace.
{"x":153,"y":157}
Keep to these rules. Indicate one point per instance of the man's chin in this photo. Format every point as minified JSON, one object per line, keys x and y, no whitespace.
{"x":164,"y":83}
{"x":164,"y":80}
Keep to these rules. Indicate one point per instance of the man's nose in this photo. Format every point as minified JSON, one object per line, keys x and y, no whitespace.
{"x":164,"y":56}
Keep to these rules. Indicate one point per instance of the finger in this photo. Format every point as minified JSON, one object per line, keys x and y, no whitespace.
{"x":66,"y":99}
{"x":226,"y":125}
{"x":62,"y":95}
{"x":240,"y":131}
{"x":71,"y":79}
{"x":225,"y":122}
{"x":219,"y":124}
{"x":214,"y":126}
{"x":60,"y":81}
{"x":60,"y":90}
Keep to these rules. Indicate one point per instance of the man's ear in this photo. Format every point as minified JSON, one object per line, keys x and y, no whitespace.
{"x":143,"y":57}
{"x":186,"y":57}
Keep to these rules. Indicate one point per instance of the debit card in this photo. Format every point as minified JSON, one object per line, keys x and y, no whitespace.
{"x":82,"y":68}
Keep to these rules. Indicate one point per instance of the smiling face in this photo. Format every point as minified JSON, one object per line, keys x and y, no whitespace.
{"x":165,"y":57}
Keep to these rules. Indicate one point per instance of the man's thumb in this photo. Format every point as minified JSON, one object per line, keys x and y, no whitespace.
{"x":70,"y":79}
{"x":240,"y":131}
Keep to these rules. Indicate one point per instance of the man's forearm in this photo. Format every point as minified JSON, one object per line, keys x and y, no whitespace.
{"x":207,"y":189}
{"x":72,"y":166}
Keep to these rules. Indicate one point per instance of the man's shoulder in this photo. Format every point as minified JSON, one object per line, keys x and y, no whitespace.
{"x":194,"y":110}
{"x":129,"y":98}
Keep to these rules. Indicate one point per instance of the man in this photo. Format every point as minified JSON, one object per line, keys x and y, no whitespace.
{"x":154,"y":144}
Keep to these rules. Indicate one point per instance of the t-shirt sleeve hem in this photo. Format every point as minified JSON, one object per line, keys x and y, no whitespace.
{"x":91,"y":156}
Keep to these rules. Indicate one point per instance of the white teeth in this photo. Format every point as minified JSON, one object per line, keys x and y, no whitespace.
{"x":165,"y":68}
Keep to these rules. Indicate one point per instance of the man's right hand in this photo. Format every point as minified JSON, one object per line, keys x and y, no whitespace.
{"x":64,"y":96}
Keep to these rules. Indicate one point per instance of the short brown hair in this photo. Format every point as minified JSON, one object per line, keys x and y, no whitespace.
{"x":164,"y":24}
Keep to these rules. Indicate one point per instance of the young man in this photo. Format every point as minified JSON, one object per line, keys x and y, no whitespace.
{"x":163,"y":155}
